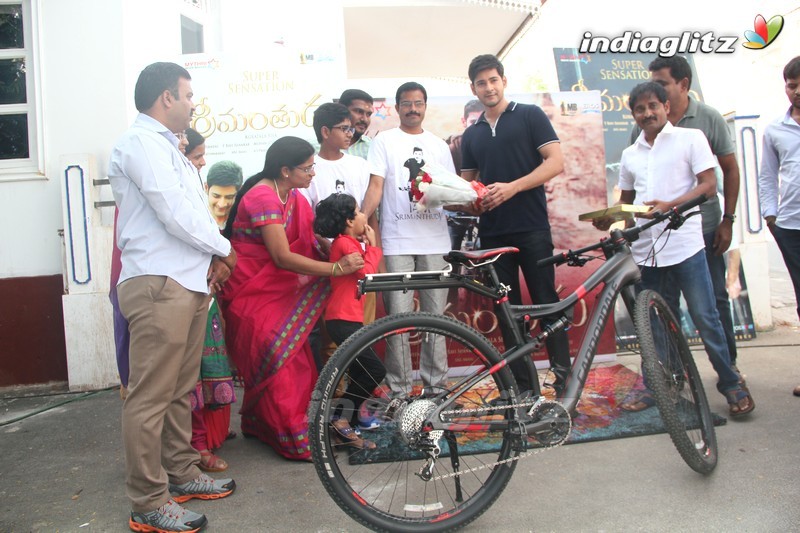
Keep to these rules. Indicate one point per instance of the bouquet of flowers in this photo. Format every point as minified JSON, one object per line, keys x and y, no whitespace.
{"x":435,"y":186}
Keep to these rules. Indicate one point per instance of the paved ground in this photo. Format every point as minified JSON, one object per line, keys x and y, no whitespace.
{"x":62,"y":468}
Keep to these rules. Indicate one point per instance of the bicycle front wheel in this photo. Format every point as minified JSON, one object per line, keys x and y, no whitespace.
{"x":670,"y":372}
{"x":395,"y":486}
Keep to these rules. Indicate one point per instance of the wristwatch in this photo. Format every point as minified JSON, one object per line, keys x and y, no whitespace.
{"x":730,"y":216}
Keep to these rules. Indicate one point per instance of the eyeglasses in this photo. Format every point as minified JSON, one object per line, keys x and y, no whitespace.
{"x":308,"y":170}
{"x":344,"y":129}
{"x":417,"y":103}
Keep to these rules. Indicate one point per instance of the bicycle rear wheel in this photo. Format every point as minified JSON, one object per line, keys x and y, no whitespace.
{"x":382,"y":488}
{"x":670,"y":372}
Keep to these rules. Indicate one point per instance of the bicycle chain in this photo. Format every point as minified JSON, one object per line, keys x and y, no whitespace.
{"x":527,"y":403}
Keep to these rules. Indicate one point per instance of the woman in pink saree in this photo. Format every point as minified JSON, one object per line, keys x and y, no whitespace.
{"x":276,"y":295}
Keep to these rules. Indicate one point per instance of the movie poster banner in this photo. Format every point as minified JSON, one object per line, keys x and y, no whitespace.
{"x":614,"y":75}
{"x":244,"y":105}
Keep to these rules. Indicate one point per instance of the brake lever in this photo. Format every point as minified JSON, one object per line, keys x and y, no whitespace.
{"x":575,"y":260}
{"x":676,"y":220}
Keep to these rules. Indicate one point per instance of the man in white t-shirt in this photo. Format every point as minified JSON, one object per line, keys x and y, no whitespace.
{"x":412,"y":240}
{"x":336,"y":172}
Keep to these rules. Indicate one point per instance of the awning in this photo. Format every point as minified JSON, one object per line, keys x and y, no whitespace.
{"x":392,"y":39}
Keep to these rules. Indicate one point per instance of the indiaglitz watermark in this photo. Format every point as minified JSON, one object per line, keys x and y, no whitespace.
{"x":762,"y":35}
{"x":688,"y":42}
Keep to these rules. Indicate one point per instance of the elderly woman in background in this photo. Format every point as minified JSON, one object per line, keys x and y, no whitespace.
{"x":212,"y":398}
{"x":276,"y":295}
{"x":194,"y":148}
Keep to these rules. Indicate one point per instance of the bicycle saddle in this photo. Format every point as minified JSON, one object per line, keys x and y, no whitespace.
{"x":476,"y":256}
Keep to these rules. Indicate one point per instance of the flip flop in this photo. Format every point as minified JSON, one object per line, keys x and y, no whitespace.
{"x":211,"y":463}
{"x":638,"y":400}
{"x":347,"y":436}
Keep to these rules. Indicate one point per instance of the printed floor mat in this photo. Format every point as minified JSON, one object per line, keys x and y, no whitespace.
{"x":599,"y":417}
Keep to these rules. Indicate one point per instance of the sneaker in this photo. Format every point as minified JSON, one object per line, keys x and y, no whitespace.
{"x":166,"y":519}
{"x":366,"y":424}
{"x":203,"y":488}
{"x":367,"y":418}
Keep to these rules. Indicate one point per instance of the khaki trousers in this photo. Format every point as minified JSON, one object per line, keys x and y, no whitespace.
{"x":167,"y":327}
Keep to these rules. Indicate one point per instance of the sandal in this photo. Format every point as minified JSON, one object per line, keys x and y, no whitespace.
{"x":211,"y":463}
{"x":740,"y":402}
{"x":347,"y":436}
{"x":637,"y":400}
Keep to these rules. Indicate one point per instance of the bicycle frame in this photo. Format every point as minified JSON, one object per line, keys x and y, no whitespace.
{"x":618,"y":273}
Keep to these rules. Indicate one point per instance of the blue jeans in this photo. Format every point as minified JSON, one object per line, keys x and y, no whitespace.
{"x":716,"y":269}
{"x":692,"y":278}
{"x":788,"y":241}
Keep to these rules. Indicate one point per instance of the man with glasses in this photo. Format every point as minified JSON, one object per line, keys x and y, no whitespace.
{"x":412,"y":240}
{"x":336,"y":171}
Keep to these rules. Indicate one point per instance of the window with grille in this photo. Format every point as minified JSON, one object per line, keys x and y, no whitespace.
{"x":18,"y":144}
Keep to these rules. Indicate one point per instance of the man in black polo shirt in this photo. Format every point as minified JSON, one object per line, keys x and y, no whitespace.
{"x":514,"y":151}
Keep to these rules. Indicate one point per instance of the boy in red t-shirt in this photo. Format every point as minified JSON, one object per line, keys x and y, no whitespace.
{"x":339,"y":218}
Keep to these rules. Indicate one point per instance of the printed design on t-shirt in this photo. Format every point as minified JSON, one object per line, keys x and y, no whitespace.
{"x":340,"y":186}
{"x":414,"y":164}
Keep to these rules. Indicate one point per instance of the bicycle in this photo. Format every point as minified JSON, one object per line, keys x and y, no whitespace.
{"x":404,"y":484}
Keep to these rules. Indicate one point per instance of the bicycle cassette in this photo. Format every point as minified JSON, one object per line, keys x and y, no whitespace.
{"x":410,"y":419}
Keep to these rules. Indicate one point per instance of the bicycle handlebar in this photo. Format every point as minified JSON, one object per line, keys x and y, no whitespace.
{"x":629,"y":235}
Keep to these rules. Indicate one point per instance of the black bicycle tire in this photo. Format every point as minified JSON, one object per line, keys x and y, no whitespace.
{"x":703,"y":459}
{"x":321,"y":452}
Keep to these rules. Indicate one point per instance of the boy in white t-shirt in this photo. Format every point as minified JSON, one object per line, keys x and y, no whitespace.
{"x":336,"y":172}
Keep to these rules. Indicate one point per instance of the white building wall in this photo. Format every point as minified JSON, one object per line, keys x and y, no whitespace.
{"x":90,"y":56}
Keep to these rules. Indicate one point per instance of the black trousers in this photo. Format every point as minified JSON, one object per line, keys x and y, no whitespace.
{"x":541,"y":282}
{"x":366,"y":372}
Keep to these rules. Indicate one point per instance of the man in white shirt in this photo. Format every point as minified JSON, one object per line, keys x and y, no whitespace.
{"x":412,"y":240}
{"x":665,"y":167}
{"x":779,"y":181}
{"x":172,"y":254}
